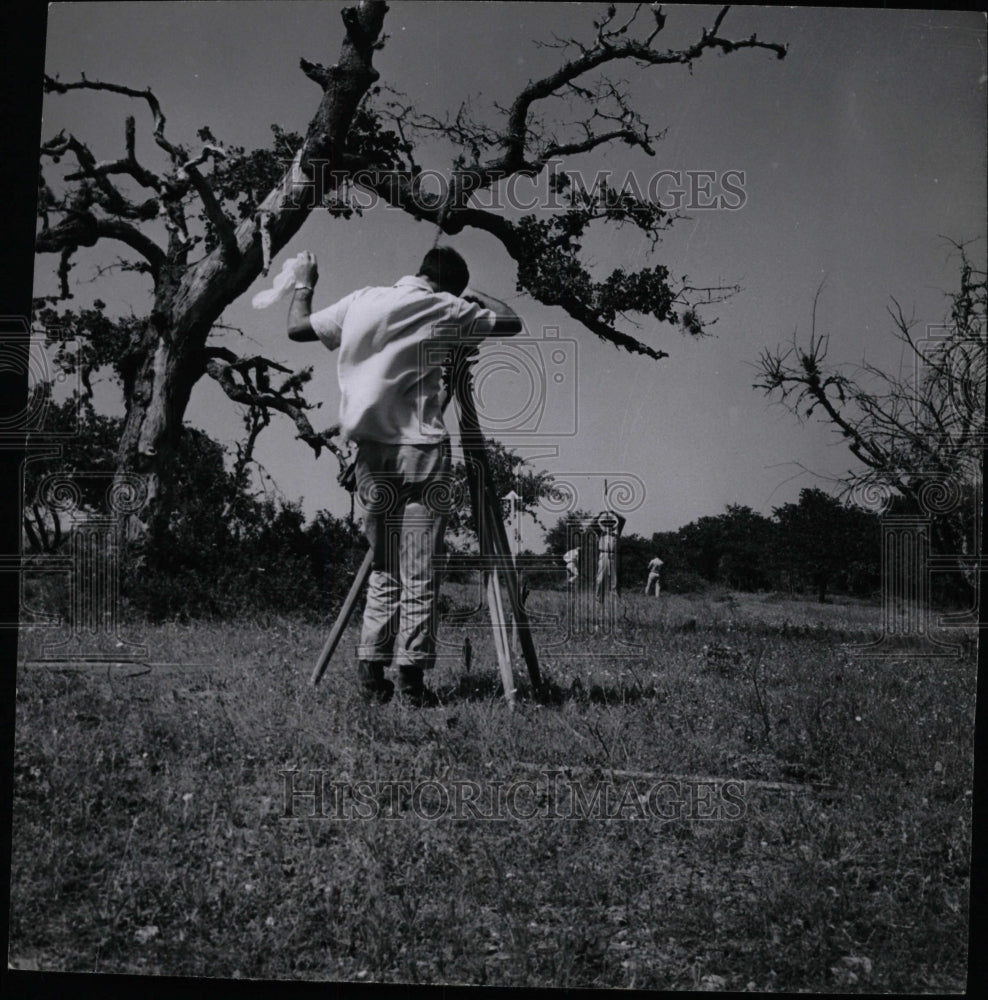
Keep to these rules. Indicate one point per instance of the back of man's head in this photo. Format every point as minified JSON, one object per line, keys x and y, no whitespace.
{"x":446,"y":268}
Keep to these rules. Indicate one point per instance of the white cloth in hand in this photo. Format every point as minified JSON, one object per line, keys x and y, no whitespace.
{"x":283,"y":283}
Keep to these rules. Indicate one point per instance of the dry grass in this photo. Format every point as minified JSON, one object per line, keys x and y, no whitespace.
{"x":150,"y":833}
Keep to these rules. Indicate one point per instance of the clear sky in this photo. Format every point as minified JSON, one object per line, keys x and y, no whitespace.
{"x":861,"y":152}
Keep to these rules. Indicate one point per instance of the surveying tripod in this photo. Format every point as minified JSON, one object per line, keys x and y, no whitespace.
{"x":497,"y":559}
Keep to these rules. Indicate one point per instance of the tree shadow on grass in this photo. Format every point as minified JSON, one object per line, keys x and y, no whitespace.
{"x":472,"y":687}
{"x":631,"y":692}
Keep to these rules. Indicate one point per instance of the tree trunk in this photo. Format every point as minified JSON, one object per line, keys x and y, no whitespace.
{"x":155,"y":414}
{"x":186,"y":309}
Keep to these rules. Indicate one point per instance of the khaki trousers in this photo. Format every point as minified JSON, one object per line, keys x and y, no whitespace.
{"x":402,"y":490}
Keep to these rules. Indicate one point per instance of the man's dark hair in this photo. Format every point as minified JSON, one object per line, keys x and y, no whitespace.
{"x":446,"y":268}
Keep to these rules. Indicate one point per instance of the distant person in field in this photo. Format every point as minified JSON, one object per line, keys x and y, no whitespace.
{"x":391,"y":406}
{"x":654,"y":568}
{"x":608,"y":526}
{"x":572,"y":561}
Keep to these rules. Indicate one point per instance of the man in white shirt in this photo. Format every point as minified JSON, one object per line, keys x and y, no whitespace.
{"x":392,"y":342}
{"x":572,"y":561}
{"x":654,"y":568}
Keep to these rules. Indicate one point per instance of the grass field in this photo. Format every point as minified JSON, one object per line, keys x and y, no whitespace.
{"x":152,"y":832}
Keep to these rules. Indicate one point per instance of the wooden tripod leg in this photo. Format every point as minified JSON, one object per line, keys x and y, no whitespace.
{"x":487,"y":510}
{"x":343,"y":618}
{"x":499,"y":540}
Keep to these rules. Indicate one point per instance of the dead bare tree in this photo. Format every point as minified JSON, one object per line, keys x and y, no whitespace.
{"x":919,"y":434}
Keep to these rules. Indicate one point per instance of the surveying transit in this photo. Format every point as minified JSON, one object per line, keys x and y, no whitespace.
{"x":405,"y":352}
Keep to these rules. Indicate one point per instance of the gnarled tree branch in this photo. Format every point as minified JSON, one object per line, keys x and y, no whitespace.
{"x":522,"y":151}
{"x":84,"y":229}
{"x":247,"y":381}
{"x":54,"y":85}
{"x":607,"y":48}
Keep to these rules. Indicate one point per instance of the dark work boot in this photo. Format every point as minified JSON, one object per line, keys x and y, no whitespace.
{"x":412,"y":689}
{"x":374,"y":686}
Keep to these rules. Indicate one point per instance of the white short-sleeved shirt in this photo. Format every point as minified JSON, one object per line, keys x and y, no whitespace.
{"x":572,"y":556}
{"x":655,"y":565}
{"x":391,"y":343}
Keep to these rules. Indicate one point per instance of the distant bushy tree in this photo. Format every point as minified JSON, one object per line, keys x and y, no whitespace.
{"x":731,"y":548}
{"x":227,"y":550}
{"x":568,"y":533}
{"x":634,"y":554}
{"x":679,"y":575}
{"x":335,"y":548}
{"x":827,"y":544}
{"x":509,"y":471}
{"x":88,"y":446}
{"x":559,"y":538}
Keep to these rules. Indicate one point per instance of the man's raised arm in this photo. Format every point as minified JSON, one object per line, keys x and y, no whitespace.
{"x":299,"y":327}
{"x":507,"y":322}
